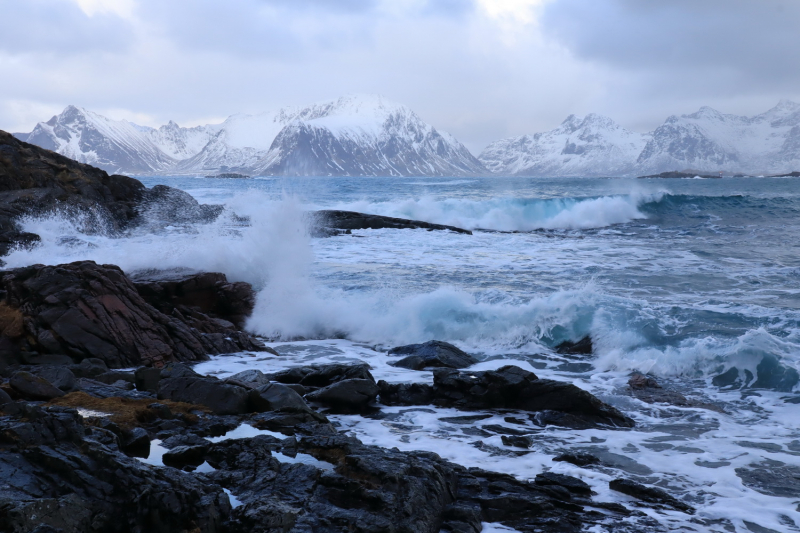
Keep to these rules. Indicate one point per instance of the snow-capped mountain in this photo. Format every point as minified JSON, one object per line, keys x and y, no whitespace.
{"x":354,"y":136}
{"x":707,"y":140}
{"x":590,"y":146}
{"x":114,"y":146}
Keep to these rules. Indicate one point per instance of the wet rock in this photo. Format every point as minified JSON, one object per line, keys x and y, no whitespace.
{"x":252,"y":378}
{"x":90,"y":367}
{"x":60,"y":377}
{"x":58,"y":475}
{"x":405,"y":393}
{"x":350,"y":220}
{"x":322,"y":375}
{"x":432,"y":354}
{"x":642,"y":382}
{"x":518,"y":441}
{"x":209,"y":293}
{"x":649,"y":494}
{"x":279,"y":397}
{"x":4,"y":397}
{"x":511,"y":387}
{"x":33,"y":387}
{"x":348,"y":394}
{"x":136,"y":442}
{"x":104,"y":390}
{"x":571,"y":483}
{"x":146,"y":378}
{"x":116,"y":375}
{"x":647,"y":389}
{"x":220,"y":397}
{"x":581,"y":347}
{"x":181,"y":456}
{"x":578,"y":459}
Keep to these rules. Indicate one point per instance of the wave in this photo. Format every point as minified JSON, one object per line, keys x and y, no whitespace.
{"x":516,"y":214}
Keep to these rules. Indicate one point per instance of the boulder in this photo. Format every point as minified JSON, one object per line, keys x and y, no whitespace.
{"x":147,"y":378}
{"x":4,"y":397}
{"x":511,"y":387}
{"x":322,"y":375}
{"x":570,"y":483}
{"x":350,"y":220}
{"x":581,"y":347}
{"x":347,"y":394}
{"x":33,"y":387}
{"x":98,"y":389}
{"x":578,"y":459}
{"x":116,"y":375}
{"x":248,"y":378}
{"x":60,"y":377}
{"x":221,"y":398}
{"x":279,"y":397}
{"x":432,"y":354}
{"x":136,"y":443}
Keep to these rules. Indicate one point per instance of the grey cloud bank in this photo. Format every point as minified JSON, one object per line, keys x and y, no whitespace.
{"x":482,"y":71}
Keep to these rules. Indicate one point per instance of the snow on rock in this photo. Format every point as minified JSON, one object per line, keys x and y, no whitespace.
{"x":707,"y":140}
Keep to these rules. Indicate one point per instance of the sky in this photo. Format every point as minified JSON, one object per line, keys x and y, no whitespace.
{"x":479,"y":69}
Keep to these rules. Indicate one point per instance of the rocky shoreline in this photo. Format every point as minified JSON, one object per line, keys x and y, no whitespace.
{"x":105,"y":426}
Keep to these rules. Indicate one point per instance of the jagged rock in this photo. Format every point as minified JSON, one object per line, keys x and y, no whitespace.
{"x":350,"y":220}
{"x":207,"y":292}
{"x":220,"y":397}
{"x":581,"y":347}
{"x":248,"y":378}
{"x":105,"y":390}
{"x":57,"y":476}
{"x":322,"y":375}
{"x":511,"y":387}
{"x":136,"y":443}
{"x":33,"y":387}
{"x":520,"y":441}
{"x":649,"y":494}
{"x":94,"y":311}
{"x":432,"y":354}
{"x":347,"y":394}
{"x":405,"y":393}
{"x":90,"y":367}
{"x":116,"y":375}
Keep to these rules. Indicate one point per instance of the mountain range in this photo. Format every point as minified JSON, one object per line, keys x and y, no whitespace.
{"x":367,"y":135}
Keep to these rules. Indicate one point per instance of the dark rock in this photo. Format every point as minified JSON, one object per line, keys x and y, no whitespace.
{"x":91,"y":367}
{"x":136,"y":443}
{"x":648,"y":390}
{"x":33,"y":387}
{"x":60,"y":377}
{"x":47,"y":359}
{"x":572,"y":484}
{"x":517,"y":440}
{"x":558,"y":418}
{"x":772,"y":478}
{"x":4,"y":397}
{"x":432,"y":354}
{"x":405,"y":393}
{"x":163,"y":205}
{"x":640,"y":382}
{"x":116,"y":375}
{"x":209,"y":293}
{"x":181,"y":456}
{"x":248,"y":378}
{"x":279,"y":397}
{"x":322,"y":375}
{"x":511,"y":387}
{"x":104,"y":390}
{"x":57,"y":474}
{"x":177,"y":370}
{"x":772,"y":375}
{"x":649,"y":494}
{"x":221,"y":398}
{"x":578,"y":459}
{"x":350,"y":220}
{"x":147,"y":378}
{"x":122,"y":384}
{"x":728,"y":378}
{"x":582,"y":347}
{"x":348,"y":394}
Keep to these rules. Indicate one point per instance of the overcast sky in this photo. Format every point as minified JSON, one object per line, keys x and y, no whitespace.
{"x":480,"y":69}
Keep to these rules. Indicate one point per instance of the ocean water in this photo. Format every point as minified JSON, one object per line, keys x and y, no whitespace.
{"x":681,"y":279}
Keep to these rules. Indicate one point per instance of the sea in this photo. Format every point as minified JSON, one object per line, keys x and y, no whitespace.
{"x":694,"y":282}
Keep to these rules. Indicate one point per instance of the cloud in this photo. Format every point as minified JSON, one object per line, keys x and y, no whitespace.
{"x":59,"y":28}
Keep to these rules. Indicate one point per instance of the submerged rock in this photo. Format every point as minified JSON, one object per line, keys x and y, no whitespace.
{"x":649,"y":494}
{"x":581,"y":347}
{"x":322,"y":375}
{"x":432,"y":354}
{"x":350,"y":220}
